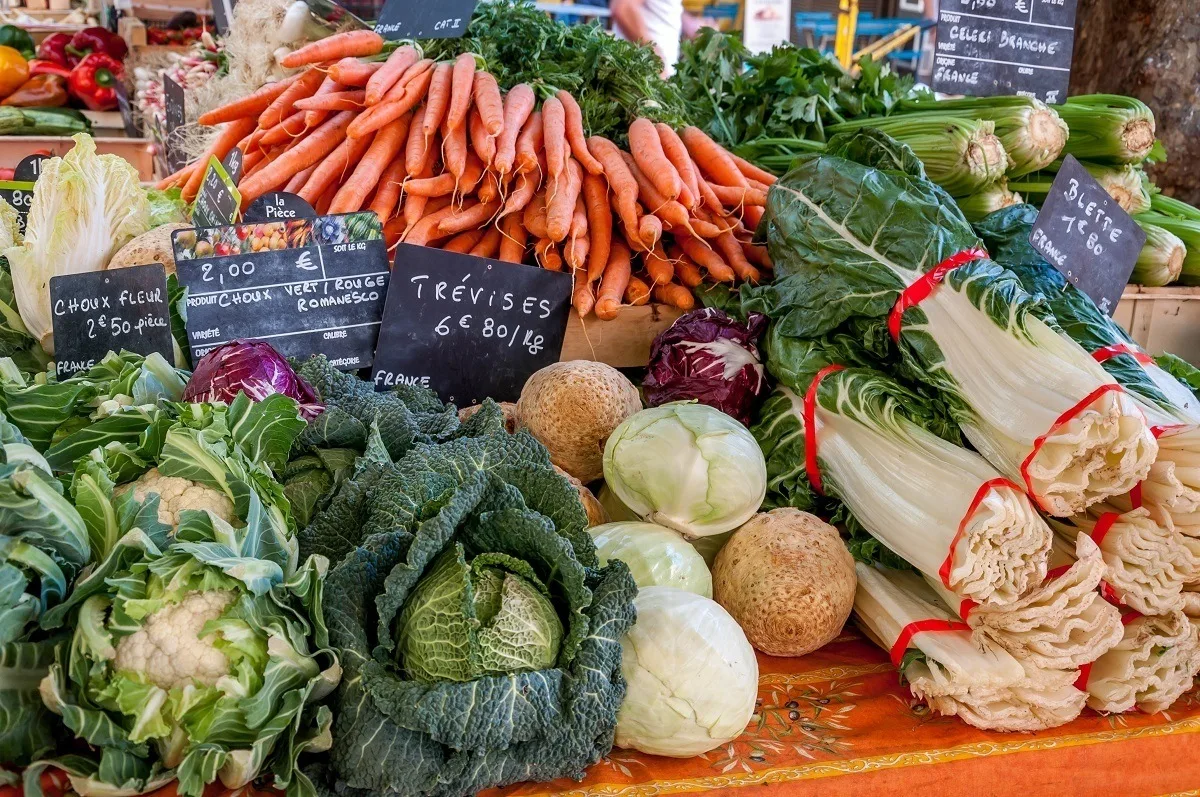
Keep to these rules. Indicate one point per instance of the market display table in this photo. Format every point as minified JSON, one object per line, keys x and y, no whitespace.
{"x":838,"y":723}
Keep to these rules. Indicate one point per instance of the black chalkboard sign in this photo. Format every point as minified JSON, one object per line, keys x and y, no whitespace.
{"x":306,"y":286}
{"x":1086,"y":235}
{"x":406,"y":19}
{"x":223,"y":15}
{"x":233,"y":165}
{"x":279,"y":206}
{"x":469,"y":327}
{"x":30,"y":167}
{"x":19,"y":194}
{"x":176,"y":117}
{"x":991,"y":47}
{"x":218,"y":199}
{"x":127,"y":120}
{"x":102,"y":311}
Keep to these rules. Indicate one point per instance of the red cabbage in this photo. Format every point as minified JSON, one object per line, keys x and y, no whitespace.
{"x":252,"y":367}
{"x":711,"y":358}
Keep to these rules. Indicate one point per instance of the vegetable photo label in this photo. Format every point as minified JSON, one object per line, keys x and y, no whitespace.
{"x":102,"y":311}
{"x":218,"y":201}
{"x":306,"y":286}
{"x":405,"y":19}
{"x":469,"y":327}
{"x":1086,"y":235}
{"x":991,"y":47}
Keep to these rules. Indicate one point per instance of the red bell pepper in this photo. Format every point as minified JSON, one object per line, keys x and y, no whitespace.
{"x":97,"y":40}
{"x":39,"y":66}
{"x":94,"y":80}
{"x":54,"y":49}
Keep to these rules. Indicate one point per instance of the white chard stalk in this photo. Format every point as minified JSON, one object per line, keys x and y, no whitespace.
{"x":1150,"y":667}
{"x":957,"y":672}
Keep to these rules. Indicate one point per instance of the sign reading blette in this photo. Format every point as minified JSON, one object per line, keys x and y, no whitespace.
{"x":406,"y":19}
{"x":102,"y":311}
{"x":1085,"y":234}
{"x":991,"y":47}
{"x":469,"y":327}
{"x":306,"y":286}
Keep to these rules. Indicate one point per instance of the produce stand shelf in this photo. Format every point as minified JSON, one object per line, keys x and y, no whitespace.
{"x":838,"y":723}
{"x":138,"y":151}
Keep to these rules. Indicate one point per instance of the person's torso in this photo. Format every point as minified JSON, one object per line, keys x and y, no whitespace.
{"x":664,"y":25}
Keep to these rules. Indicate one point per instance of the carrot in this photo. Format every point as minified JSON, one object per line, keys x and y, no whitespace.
{"x":616,"y":277}
{"x":472,"y":175}
{"x":752,"y":172}
{"x":285,"y":131}
{"x":673,"y":214}
{"x":414,"y":149}
{"x":383,"y":149}
{"x":352,"y":100}
{"x":649,"y":231}
{"x":393,"y":231}
{"x":392,"y":70}
{"x":438,"y":99}
{"x":637,"y":292}
{"x":595,"y":199}
{"x":731,"y":250}
{"x":308,"y":151}
{"x":561,"y":204}
{"x":232,"y":133}
{"x":454,"y":149}
{"x":757,"y":255}
{"x":534,"y":216}
{"x":752,"y":216}
{"x":620,"y":179}
{"x":387,"y":196}
{"x":675,"y":295}
{"x":483,"y":144}
{"x":518,"y":104}
{"x":462,"y":83}
{"x":314,"y":117}
{"x":470,"y":218}
{"x":578,"y":244}
{"x":677,"y":154}
{"x":308,"y":82}
{"x":388,"y":111}
{"x":512,"y":246}
{"x":520,"y":197}
{"x":646,"y":148}
{"x":583,"y":298}
{"x":353,"y":72}
{"x":489,"y":186}
{"x":426,"y":229}
{"x":547,"y":255}
{"x":706,"y":228}
{"x":658,"y":266}
{"x":442,"y":185}
{"x":737,"y":197}
{"x":709,"y":198}
{"x":575,"y":136}
{"x":249,"y":106}
{"x":334,"y":167}
{"x":421,"y":69}
{"x":296,"y":183}
{"x":685,"y":268}
{"x":712,"y":158}
{"x":464,"y":242}
{"x":554,"y":127}
{"x":489,"y":244}
{"x":181,"y":175}
{"x":321,"y":206}
{"x":530,"y":144}
{"x":252,"y":159}
{"x":352,"y":43}
{"x":706,"y":258}
{"x":489,"y":103}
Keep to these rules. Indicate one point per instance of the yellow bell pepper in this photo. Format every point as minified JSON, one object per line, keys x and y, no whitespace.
{"x":14,"y":70}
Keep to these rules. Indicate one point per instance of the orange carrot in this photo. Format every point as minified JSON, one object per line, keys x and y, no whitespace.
{"x":483,"y":144}
{"x":673,"y":214}
{"x":620,"y":179}
{"x":686,"y":269}
{"x":752,"y":216}
{"x":547,"y":255}
{"x":561,"y":204}
{"x":175,"y":178}
{"x":554,"y":127}
{"x":249,"y":106}
{"x":595,"y":198}
{"x":232,"y":133}
{"x":387,"y":196}
{"x":336,"y":166}
{"x":489,"y":103}
{"x":530,"y":144}
{"x":470,"y":218}
{"x":658,"y":266}
{"x":315,"y":116}
{"x":709,"y":198}
{"x":583,"y":298}
{"x":512,"y":246}
{"x":616,"y":277}
{"x":489,"y":244}
{"x":737,"y":197}
{"x":646,"y":148}
{"x":518,"y":104}
{"x":752,"y":172}
{"x":577,"y":246}
{"x":352,"y":43}
{"x":462,"y":84}
{"x":464,"y":242}
{"x":732,"y":252}
{"x":712,"y":158}
{"x":534,"y":216}
{"x":353,"y":72}
{"x":383,"y":149}
{"x":677,"y":154}
{"x":637,"y":292}
{"x":520,"y":197}
{"x":441,"y":185}
{"x":579,"y":147}
{"x":393,"y":231}
{"x":387,"y":75}
{"x":388,"y":111}
{"x":321,"y":206}
{"x":285,"y":131}
{"x":414,"y":149}
{"x":706,"y":229}
{"x":706,"y":258}
{"x":414,"y":207}
{"x":649,"y":231}
{"x":489,"y":186}
{"x":417,"y":70}
{"x":296,"y":183}
{"x":454,"y":149}
{"x":438,"y":99}
{"x":757,"y":255}
{"x":426,"y":230}
{"x":252,"y":159}
{"x":471,"y":177}
{"x":352,"y":100}
{"x":308,"y":151}
{"x":308,"y":82}
{"x":675,"y":295}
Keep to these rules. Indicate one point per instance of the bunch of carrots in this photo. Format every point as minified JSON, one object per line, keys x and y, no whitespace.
{"x":446,"y":159}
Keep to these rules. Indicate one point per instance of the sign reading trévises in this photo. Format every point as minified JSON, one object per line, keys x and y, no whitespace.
{"x":469,"y":327}
{"x":991,"y":47}
{"x":406,"y":19}
{"x":305,"y":286}
{"x":102,"y":311}
{"x":1085,"y":234}
{"x":218,"y":201}
{"x":175,"y":112}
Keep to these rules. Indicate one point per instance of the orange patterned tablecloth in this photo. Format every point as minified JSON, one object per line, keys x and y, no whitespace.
{"x":837,"y":723}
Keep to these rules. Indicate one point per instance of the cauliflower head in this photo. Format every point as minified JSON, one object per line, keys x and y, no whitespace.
{"x":176,"y":494}
{"x":168,"y":650}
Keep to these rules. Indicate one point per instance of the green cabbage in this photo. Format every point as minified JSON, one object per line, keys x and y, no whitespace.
{"x":656,"y":557}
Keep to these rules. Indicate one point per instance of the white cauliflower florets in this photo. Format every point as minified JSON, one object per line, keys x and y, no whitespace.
{"x":176,"y":494}
{"x":168,"y":650}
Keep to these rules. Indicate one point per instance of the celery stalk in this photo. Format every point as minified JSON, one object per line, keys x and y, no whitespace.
{"x":1108,"y":127}
{"x":1161,"y":259}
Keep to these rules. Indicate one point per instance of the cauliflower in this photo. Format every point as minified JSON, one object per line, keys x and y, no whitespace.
{"x":176,"y":494}
{"x":168,"y":651}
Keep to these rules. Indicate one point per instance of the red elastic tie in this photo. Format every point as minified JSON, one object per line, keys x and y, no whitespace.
{"x":966,"y":607}
{"x":1059,"y":421}
{"x":1129,"y":616}
{"x":1103,"y":526}
{"x":1109,"y":594}
{"x":921,"y":290}
{"x":980,"y":494}
{"x":920,"y":626}
{"x":1135,"y":496}
{"x":810,"y":427}
{"x":1085,"y":672}
{"x":1056,"y":572}
{"x":1106,"y":353}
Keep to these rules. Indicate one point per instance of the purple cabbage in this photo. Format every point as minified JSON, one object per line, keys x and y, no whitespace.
{"x":711,"y":358}
{"x":252,"y":367}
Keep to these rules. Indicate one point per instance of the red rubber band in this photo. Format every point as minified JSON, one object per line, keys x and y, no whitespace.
{"x":1085,"y":672}
{"x":1106,"y":353}
{"x":921,"y":290}
{"x":1103,"y":527}
{"x":980,"y":494}
{"x":1056,"y":572}
{"x":810,"y":427}
{"x":1129,"y":616}
{"x":1109,"y":594}
{"x":1059,"y":421}
{"x":966,"y":607}
{"x":918,"y":627}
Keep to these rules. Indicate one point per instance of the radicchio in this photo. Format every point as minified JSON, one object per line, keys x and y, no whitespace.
{"x":253,"y":368}
{"x":711,"y":358}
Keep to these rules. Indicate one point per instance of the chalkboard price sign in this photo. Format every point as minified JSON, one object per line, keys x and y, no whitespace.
{"x":218,"y":200}
{"x":233,"y":165}
{"x":306,"y":286}
{"x":405,"y":19}
{"x":223,"y":15}
{"x":279,"y":206}
{"x":469,"y":327}
{"x":176,"y":116}
{"x":127,"y":121}
{"x":19,"y":194}
{"x":1086,"y":235}
{"x":30,"y":168}
{"x":102,"y":311}
{"x":991,"y":47}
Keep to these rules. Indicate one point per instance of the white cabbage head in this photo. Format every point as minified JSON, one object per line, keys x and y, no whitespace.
{"x":656,"y":557}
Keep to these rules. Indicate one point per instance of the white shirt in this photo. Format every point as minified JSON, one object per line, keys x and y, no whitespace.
{"x":664,"y":26}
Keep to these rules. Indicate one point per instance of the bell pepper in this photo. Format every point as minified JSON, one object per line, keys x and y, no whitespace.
{"x":14,"y":70}
{"x":54,"y":49}
{"x":94,"y":81}
{"x":40,"y":91}
{"x":97,"y":40}
{"x":39,"y":67}
{"x":18,"y":39}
